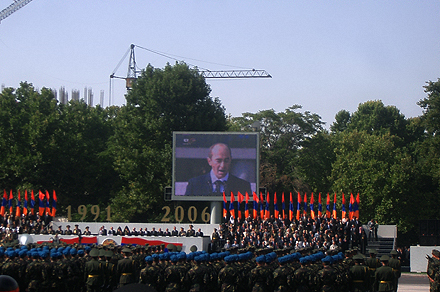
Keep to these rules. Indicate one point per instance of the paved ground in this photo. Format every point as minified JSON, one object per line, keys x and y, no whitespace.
{"x":413,"y":282}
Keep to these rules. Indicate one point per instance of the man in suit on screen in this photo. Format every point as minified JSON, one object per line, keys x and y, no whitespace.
{"x":218,"y":180}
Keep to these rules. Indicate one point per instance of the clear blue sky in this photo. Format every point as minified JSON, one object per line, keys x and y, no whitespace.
{"x":323,"y":55}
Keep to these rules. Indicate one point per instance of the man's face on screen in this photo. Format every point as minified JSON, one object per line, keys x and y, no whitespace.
{"x":220,"y":160}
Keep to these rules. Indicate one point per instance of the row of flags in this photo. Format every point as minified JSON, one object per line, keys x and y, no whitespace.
{"x":43,"y":203}
{"x":262,"y":208}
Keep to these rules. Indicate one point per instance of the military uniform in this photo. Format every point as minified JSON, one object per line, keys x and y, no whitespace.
{"x":152,"y":276}
{"x":33,"y":275}
{"x":126,"y":270}
{"x":282,"y":278}
{"x":384,"y":277}
{"x":173,"y":278}
{"x":326,"y":277}
{"x":228,"y":279}
{"x":396,"y":266}
{"x":261,"y":279}
{"x":93,"y":273}
{"x":109,"y":272}
{"x":197,"y":278}
{"x":433,"y":271}
{"x":359,"y":276}
{"x":303,"y":278}
{"x":373,"y":263}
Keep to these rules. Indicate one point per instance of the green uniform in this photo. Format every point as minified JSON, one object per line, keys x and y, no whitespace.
{"x":173,"y":278}
{"x":384,"y":279}
{"x":282,"y":279}
{"x":261,"y":279}
{"x":197,"y":278}
{"x":394,"y":263}
{"x":359,"y":278}
{"x":228,"y":279}
{"x":326,"y":278}
{"x":373,"y":263}
{"x":303,"y":279}
{"x":433,"y":274}
{"x":152,"y":276}
{"x":33,"y":275}
{"x":93,"y":275}
{"x":125,"y":271}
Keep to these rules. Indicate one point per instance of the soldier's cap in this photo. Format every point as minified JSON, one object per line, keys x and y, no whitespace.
{"x":149,"y":259}
{"x":108,"y":254}
{"x":87,"y":227}
{"x":101,"y":253}
{"x":171,"y":247}
{"x":76,"y":225}
{"x":68,"y":226}
{"x":327,"y":259}
{"x":384,"y":258}
{"x":193,"y":248}
{"x":393,"y":252}
{"x":358,"y":257}
{"x":372,"y":251}
{"x":94,"y":252}
{"x":436,"y":253}
{"x":126,"y":250}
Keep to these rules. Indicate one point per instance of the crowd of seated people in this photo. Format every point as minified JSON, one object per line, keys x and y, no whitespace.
{"x":11,"y":225}
{"x":277,"y":233}
{"x":191,"y":232}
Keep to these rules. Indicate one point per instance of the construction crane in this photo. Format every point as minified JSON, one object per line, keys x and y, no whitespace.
{"x":132,"y":71}
{"x":12,"y":8}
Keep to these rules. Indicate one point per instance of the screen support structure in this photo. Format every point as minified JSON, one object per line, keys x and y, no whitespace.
{"x":216,"y":212}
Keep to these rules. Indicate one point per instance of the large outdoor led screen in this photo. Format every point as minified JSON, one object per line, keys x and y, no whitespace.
{"x":206,"y":164}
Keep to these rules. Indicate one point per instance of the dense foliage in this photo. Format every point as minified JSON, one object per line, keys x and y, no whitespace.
{"x":121,"y":156}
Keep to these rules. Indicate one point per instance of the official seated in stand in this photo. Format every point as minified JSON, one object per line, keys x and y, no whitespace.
{"x":102,"y":231}
{"x":76,"y":230}
{"x":87,"y":231}
{"x":191,"y":232}
{"x":111,"y":231}
{"x":68,"y":230}
{"x":199,"y":233}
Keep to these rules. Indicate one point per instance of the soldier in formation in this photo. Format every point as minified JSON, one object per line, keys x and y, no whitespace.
{"x":433,"y":271}
{"x":102,"y":269}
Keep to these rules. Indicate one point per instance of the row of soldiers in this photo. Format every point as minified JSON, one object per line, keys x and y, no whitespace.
{"x":106,"y":268}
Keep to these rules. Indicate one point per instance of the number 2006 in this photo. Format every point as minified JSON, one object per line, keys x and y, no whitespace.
{"x":179,"y":214}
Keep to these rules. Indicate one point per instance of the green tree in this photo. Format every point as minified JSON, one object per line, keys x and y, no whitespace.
{"x":383,"y":174}
{"x":175,"y":98}
{"x":374,"y":117}
{"x":80,"y":164}
{"x":315,"y":160}
{"x":282,"y":135}
{"x":28,"y":121}
{"x":48,"y":146}
{"x":342,"y":119}
{"x":429,"y":149}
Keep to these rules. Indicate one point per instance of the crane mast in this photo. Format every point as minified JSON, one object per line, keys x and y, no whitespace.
{"x":12,"y":8}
